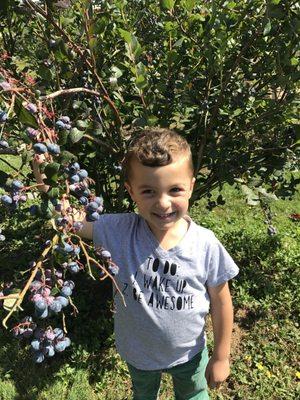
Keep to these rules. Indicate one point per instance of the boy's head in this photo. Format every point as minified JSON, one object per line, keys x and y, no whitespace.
{"x":155,"y":147}
{"x":159,"y":178}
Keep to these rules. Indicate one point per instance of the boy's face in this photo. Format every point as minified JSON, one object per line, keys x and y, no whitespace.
{"x":161,"y":193}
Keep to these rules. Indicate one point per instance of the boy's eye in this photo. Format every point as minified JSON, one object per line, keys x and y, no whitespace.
{"x":147,"y":191}
{"x":176,"y":190}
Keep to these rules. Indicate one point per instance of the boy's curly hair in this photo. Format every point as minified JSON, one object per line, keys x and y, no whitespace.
{"x":155,"y":147}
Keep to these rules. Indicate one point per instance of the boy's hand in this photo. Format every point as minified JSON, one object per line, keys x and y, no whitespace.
{"x":217,"y":371}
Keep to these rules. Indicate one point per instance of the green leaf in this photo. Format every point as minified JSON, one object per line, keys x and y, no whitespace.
{"x":53,"y":193}
{"x":188,"y":4}
{"x":167,"y":4}
{"x":294,"y":61}
{"x":9,"y":303}
{"x":117,"y":72}
{"x":23,"y":115}
{"x":267,"y":195}
{"x":267,"y":28}
{"x":65,"y":157}
{"x":125,"y":35}
{"x":51,"y":171}
{"x":76,"y":135}
{"x":141,"y":82}
{"x":47,"y":209}
{"x":237,"y":112}
{"x":63,"y":137}
{"x":231,"y":4}
{"x":82,"y":124}
{"x":251,"y":197}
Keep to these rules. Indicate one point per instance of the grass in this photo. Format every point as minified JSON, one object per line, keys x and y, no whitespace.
{"x":266,"y":301}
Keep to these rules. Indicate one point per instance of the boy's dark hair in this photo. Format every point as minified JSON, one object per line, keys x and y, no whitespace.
{"x":155,"y":147}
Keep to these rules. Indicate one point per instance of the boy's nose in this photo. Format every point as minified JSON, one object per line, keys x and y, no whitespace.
{"x":163,"y":202}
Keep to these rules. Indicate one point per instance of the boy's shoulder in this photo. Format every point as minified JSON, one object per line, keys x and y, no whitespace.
{"x":117,"y":220}
{"x":204,"y":233}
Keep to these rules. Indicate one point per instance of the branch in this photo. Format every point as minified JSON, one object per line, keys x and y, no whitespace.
{"x":11,"y":152}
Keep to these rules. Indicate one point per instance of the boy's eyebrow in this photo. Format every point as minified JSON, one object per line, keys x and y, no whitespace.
{"x":150,"y":187}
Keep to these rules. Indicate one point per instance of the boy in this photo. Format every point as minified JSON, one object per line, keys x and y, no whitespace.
{"x":171,"y":270}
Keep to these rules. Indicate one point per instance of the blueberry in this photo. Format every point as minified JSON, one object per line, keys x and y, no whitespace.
{"x":74,"y":167}
{"x":83,"y":200}
{"x":4,"y":144}
{"x":53,"y":148}
{"x":55,"y":306}
{"x":65,"y":119}
{"x":40,"y":148}
{"x":38,"y":357}
{"x":74,"y":178}
{"x":92,"y":217}
{"x":99,"y":200}
{"x":66,"y":291}
{"x":31,"y":133}
{"x":7,"y":200}
{"x":60,"y":124}
{"x":105,"y":254}
{"x":59,"y":334}
{"x":82,"y":174}
{"x":3,"y":116}
{"x":92,"y":206}
{"x":62,"y":300}
{"x":17,"y":185}
{"x":31,"y":107}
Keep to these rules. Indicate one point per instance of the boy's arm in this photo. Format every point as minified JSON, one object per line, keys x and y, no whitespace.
{"x":218,"y":369}
{"x":87,"y":228}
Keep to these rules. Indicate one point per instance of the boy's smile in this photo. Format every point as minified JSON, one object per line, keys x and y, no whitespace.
{"x":162,"y":194}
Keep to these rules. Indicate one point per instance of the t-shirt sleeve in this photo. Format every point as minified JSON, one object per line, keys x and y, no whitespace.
{"x":221,"y":267}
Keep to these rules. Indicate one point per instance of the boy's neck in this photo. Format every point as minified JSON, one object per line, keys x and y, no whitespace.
{"x":170,"y":238}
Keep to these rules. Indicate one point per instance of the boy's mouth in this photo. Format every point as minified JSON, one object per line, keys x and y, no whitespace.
{"x":165,"y":216}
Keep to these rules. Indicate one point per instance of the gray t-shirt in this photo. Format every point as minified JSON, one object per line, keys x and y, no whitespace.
{"x":165,"y":291}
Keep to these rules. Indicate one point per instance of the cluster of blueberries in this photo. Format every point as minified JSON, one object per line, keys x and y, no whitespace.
{"x":72,"y":266}
{"x":46,"y":304}
{"x":67,"y":249}
{"x":42,"y":148}
{"x":79,"y":186}
{"x":63,"y":122}
{"x":76,"y":174}
{"x":24,"y":329}
{"x":48,"y":342}
{"x":15,"y":196}
{"x":105,"y":256}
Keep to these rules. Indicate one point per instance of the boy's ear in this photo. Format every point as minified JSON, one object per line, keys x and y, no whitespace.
{"x":129,"y":189}
{"x":192,"y":186}
{"x":193,"y":183}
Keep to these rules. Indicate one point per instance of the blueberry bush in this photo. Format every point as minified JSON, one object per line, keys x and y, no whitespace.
{"x":78,"y":78}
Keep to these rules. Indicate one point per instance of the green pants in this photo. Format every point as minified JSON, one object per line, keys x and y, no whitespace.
{"x":188,"y":380}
